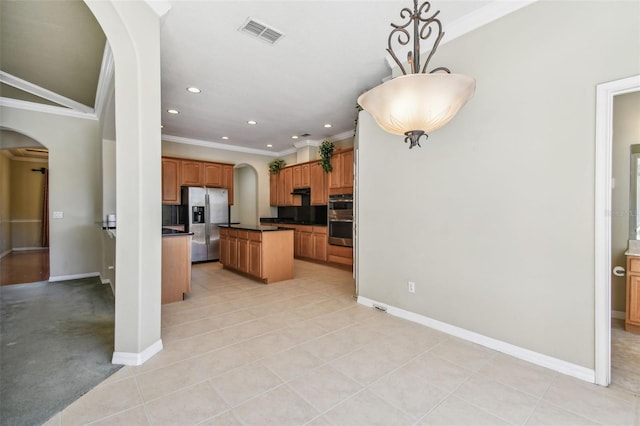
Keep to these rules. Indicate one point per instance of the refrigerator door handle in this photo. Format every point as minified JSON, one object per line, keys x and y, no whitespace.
{"x":207,"y":231}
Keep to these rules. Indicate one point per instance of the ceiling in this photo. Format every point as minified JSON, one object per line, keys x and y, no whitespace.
{"x":330,"y":52}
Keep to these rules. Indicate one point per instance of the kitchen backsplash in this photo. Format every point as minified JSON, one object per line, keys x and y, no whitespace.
{"x":308,"y":214}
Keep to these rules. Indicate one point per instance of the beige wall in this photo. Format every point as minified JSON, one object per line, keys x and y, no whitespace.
{"x":626,"y":132}
{"x":245,"y":189}
{"x":27,"y":191}
{"x":5,"y":204}
{"x":74,"y":184}
{"x":493,"y":218}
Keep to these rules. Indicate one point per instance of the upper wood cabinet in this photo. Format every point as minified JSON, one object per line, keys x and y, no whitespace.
{"x":178,"y":172}
{"x":170,"y":181}
{"x":285,"y":186}
{"x":301,"y":178}
{"x":191,"y":173}
{"x":341,"y":177}
{"x":227,"y":180}
{"x":212,"y":175}
{"x":318,"y":178}
{"x":273,"y":189}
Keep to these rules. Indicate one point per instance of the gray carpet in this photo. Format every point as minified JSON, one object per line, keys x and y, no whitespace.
{"x":56,"y":343}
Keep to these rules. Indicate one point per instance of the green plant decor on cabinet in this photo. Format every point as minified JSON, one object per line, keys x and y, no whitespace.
{"x":326,"y":151}
{"x":276,"y":165}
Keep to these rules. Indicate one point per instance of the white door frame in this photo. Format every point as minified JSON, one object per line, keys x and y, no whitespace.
{"x":604,"y":144}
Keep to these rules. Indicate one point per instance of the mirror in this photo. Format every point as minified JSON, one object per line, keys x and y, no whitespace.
{"x":634,"y":199}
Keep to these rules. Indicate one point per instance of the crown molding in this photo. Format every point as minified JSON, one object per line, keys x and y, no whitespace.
{"x":307,"y":142}
{"x":41,"y":92}
{"x":105,"y":88}
{"x":317,"y":142}
{"x":226,"y":147}
{"x":49,"y":109}
{"x":474,"y":20}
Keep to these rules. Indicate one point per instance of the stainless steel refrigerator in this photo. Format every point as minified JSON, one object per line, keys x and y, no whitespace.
{"x":205,"y":209}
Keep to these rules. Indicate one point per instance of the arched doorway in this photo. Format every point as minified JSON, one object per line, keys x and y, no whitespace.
{"x":245,"y":208}
{"x":24,"y":218}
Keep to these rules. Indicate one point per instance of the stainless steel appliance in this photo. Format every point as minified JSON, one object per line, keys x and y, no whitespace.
{"x":205,"y":209}
{"x":340,"y":220}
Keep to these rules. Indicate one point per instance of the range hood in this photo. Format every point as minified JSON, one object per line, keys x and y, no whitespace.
{"x":301,"y":191}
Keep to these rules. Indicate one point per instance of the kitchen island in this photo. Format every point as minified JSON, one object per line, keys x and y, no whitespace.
{"x":262,"y":252}
{"x":176,"y":264}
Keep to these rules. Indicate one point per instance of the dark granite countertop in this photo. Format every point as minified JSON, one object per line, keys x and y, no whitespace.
{"x":280,"y":221}
{"x":259,"y":228}
{"x":167,"y":232}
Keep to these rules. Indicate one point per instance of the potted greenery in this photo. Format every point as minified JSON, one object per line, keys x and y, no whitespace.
{"x":326,"y":151}
{"x":276,"y":165}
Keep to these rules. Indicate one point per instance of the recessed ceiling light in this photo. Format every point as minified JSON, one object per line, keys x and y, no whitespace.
{"x":193,"y":89}
{"x":327,"y":125}
{"x":252,"y":122}
{"x":294,"y":137}
{"x":173,"y":111}
{"x":269,"y":146}
{"x":226,"y":138}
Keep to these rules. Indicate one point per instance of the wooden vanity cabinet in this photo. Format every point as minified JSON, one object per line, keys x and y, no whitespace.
{"x":632,"y":320}
{"x":170,"y":181}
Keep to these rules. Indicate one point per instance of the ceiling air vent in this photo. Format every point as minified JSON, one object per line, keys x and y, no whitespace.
{"x":261,"y":31}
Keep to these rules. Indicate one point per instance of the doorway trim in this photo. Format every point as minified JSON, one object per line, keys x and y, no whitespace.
{"x":605,"y":93}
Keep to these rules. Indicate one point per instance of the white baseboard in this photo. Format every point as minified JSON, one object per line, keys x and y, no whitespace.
{"x":73,"y":277}
{"x":618,"y":314}
{"x":30,"y":248}
{"x":5,"y":253}
{"x":537,"y":358}
{"x":139,"y":358}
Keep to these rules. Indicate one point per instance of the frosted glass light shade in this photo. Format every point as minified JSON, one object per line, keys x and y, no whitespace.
{"x":413,"y":102}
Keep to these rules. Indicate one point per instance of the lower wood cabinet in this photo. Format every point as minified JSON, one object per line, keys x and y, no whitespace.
{"x":340,"y":254}
{"x":632,"y":320}
{"x":267,"y":255}
{"x":176,"y":267}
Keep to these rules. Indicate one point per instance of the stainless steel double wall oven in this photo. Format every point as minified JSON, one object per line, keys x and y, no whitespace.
{"x":340,"y":215}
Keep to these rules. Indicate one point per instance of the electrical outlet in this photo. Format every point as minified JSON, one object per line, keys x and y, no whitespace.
{"x":412,"y":287}
{"x":58,"y":215}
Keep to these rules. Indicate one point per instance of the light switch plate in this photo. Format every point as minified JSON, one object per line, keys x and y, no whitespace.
{"x":58,"y":215}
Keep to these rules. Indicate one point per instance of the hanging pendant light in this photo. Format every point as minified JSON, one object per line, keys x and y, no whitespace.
{"x":417,"y":103}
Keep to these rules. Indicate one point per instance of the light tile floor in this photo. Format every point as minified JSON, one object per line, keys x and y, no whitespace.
{"x":304,"y":352}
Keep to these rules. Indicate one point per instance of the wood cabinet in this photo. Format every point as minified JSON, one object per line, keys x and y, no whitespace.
{"x":177,"y":172}
{"x":284,"y":188}
{"x":170,"y":181}
{"x":307,"y":175}
{"x":273,"y":189}
{"x":212,"y":175}
{"x":227,"y":180}
{"x":632,"y":320}
{"x":309,"y":242}
{"x":341,"y":177}
{"x":318,"y":184}
{"x":267,"y":255}
{"x":340,"y":254}
{"x":191,"y":173}
{"x":301,"y":178}
{"x":176,"y":267}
